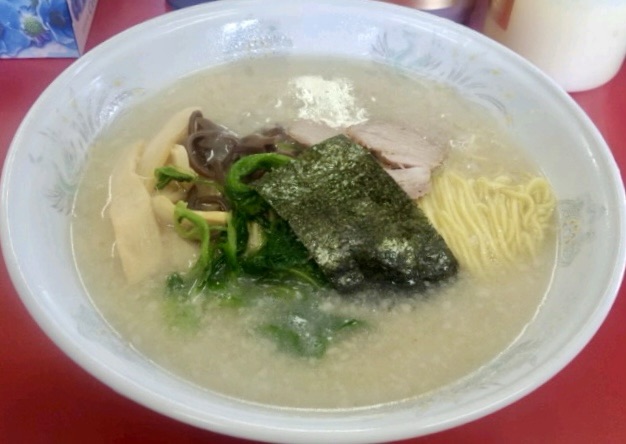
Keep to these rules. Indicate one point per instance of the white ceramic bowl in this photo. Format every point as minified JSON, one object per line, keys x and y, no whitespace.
{"x":49,"y":151}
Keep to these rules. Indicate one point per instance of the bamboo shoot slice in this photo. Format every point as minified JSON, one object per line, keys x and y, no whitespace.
{"x":137,"y":235}
{"x":158,"y":149}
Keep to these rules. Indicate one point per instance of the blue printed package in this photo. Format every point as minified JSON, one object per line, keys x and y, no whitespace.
{"x":44,"y":28}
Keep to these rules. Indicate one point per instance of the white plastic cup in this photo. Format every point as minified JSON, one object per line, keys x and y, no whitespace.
{"x":581,"y":44}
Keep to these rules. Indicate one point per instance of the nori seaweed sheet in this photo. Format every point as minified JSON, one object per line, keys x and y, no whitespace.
{"x":357,"y":223}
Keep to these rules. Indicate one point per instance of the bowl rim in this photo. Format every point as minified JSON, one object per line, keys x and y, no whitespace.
{"x":268,"y":432}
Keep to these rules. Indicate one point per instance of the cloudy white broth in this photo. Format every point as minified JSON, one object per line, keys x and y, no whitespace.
{"x":406,"y":344}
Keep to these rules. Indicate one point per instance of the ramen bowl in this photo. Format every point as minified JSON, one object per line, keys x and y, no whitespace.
{"x":52,"y":146}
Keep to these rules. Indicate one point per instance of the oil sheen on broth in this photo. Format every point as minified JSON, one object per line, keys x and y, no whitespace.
{"x":412,"y":346}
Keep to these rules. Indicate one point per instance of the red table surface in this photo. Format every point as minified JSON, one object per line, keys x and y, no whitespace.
{"x":46,"y":398}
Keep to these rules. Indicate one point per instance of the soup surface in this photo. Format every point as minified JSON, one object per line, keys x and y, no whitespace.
{"x":411,"y":345}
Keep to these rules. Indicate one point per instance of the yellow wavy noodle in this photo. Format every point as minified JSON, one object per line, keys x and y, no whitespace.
{"x":490,"y":222}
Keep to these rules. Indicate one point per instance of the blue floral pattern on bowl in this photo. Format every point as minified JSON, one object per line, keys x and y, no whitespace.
{"x":89,"y":116}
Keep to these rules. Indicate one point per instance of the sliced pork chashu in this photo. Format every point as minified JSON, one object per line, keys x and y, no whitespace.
{"x":405,"y":154}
